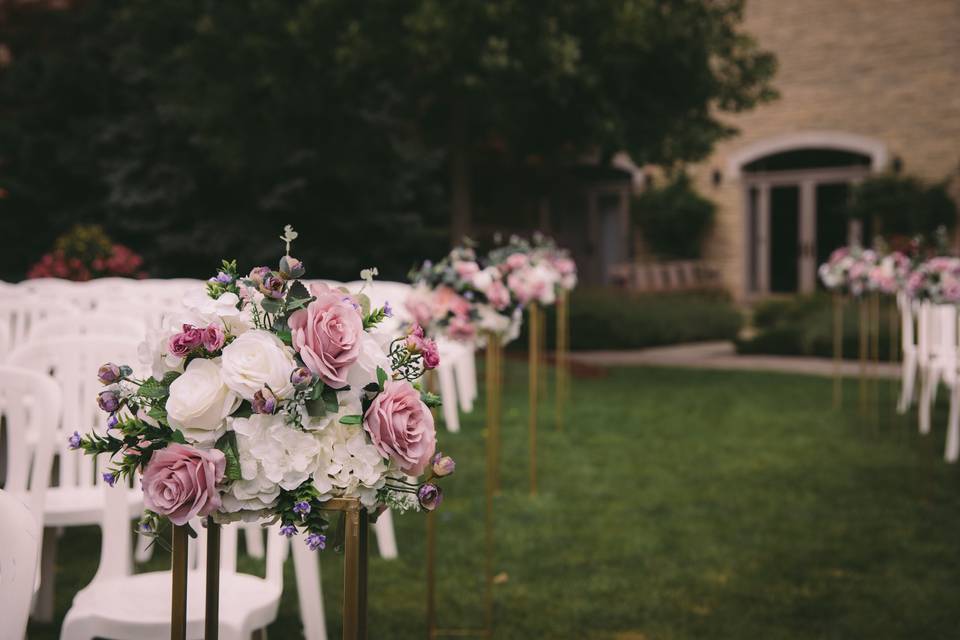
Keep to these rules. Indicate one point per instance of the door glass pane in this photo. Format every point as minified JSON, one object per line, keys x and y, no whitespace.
{"x":612,"y":242}
{"x":753,"y":239}
{"x":831,"y":221}
{"x":784,"y":238}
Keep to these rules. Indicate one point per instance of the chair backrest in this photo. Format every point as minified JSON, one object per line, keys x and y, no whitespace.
{"x":73,"y":363}
{"x":19,"y":314}
{"x":30,"y":404}
{"x":19,"y":560}
{"x":90,"y":324}
{"x":116,"y":548}
{"x":909,"y":310}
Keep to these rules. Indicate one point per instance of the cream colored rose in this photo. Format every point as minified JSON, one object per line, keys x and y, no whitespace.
{"x":255,"y":360}
{"x":199,"y":402}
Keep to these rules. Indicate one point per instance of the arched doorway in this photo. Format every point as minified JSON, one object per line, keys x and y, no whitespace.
{"x":794,"y":193}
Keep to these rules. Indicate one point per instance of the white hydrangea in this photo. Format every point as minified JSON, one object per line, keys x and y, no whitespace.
{"x":273,"y":456}
{"x":349,"y":465}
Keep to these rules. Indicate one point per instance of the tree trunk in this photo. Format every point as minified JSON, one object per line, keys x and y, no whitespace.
{"x":460,"y":187}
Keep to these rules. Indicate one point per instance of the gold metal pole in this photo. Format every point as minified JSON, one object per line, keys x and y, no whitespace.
{"x":431,"y":575}
{"x":875,"y":378}
{"x":178,"y":571}
{"x":864,"y":330}
{"x":837,"y":350}
{"x":894,"y":320}
{"x":211,"y":621}
{"x":561,"y":357}
{"x":534,"y":389}
{"x":354,"y":571}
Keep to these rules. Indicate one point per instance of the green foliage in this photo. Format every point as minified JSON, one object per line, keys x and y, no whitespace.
{"x":611,"y":319}
{"x":903,"y":205}
{"x":803,"y":326}
{"x":674,"y":218}
{"x":183,"y":125}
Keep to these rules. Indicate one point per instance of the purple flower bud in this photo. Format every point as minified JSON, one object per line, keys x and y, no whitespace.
{"x":289,"y":530}
{"x":109,"y":478}
{"x":224,"y":278}
{"x":291,"y":266}
{"x":74,"y":441}
{"x":109,"y":373}
{"x":316,"y":541}
{"x":272,"y":287}
{"x":145,"y":527}
{"x":387,"y":309}
{"x":302,"y":507}
{"x":264,"y":401}
{"x":430,"y":496}
{"x":112,"y":421}
{"x":108,"y":401}
{"x":443,"y":465}
{"x":259,"y":274}
{"x":301,"y":378}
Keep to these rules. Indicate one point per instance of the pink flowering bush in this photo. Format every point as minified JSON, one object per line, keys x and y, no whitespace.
{"x":85,"y":253}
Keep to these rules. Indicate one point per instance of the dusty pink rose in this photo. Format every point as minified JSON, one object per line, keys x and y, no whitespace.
{"x":401,"y":427}
{"x":446,"y":300}
{"x":180,"y":482}
{"x":180,"y":344}
{"x":517,"y":261}
{"x":498,"y":295}
{"x":213,"y":338}
{"x":466,"y":269}
{"x":327,"y":335}
{"x":460,"y":328}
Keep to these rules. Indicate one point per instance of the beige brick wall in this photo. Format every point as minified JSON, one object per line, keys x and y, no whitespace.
{"x":886,"y":69}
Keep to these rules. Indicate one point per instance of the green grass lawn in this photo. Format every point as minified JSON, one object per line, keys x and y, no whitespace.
{"x":676,"y":504}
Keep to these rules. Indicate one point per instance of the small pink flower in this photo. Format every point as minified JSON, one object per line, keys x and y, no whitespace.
{"x":181,"y":344}
{"x":517,"y":261}
{"x":498,"y":295}
{"x":466,"y":269}
{"x":460,"y":328}
{"x":180,"y":482}
{"x":213,"y":338}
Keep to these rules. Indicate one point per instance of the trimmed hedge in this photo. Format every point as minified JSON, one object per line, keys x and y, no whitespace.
{"x":803,"y":326}
{"x":615,"y":319}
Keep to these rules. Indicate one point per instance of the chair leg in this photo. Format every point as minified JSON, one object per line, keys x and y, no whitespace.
{"x":253,"y":535}
{"x":386,"y":537}
{"x":306,"y":568}
{"x":952,"y":451}
{"x":462,"y":373}
{"x":908,"y":381}
{"x":928,"y":380}
{"x":448,"y":392}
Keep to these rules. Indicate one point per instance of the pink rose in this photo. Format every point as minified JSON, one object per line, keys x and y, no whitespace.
{"x":213,"y":338}
{"x":460,"y":328}
{"x":466,"y":269}
{"x":517,"y":261}
{"x":446,"y":301}
{"x":183,"y":343}
{"x":498,"y":295}
{"x":327,"y":335}
{"x":420,"y":305}
{"x":180,"y":482}
{"x":401,"y":427}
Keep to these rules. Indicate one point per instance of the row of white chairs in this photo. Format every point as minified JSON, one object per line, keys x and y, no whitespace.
{"x":929,"y":343}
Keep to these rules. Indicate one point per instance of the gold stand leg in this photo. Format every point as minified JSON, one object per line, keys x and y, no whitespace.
{"x":864,"y":330}
{"x":178,"y":571}
{"x":211,"y":621}
{"x":534,"y":391}
{"x":875,"y":365}
{"x":562,"y":346}
{"x":894,"y":329}
{"x":355,"y":574}
{"x":837,"y":350}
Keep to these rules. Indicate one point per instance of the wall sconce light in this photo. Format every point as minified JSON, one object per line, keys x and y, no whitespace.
{"x":717,"y":177}
{"x":897,"y":164}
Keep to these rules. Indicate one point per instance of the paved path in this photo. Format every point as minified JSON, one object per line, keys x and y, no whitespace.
{"x":721,"y":355}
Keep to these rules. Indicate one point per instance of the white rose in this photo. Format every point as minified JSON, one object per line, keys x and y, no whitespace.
{"x":199,"y":402}
{"x":364,"y":370}
{"x":483,"y":279}
{"x":255,"y":360}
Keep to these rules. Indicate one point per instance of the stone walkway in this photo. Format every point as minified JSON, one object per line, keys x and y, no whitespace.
{"x":722,"y":355}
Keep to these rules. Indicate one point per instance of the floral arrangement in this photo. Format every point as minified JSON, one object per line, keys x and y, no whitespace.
{"x":937,"y":280}
{"x":535,"y":272}
{"x":86,"y":252}
{"x":890,"y":275}
{"x":848,"y":269}
{"x":268,"y":397}
{"x":460,"y":298}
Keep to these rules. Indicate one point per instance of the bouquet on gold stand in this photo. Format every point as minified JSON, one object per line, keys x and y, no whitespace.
{"x":269,"y":398}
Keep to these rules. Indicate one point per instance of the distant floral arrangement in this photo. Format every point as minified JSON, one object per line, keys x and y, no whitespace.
{"x":464,"y":296}
{"x":857,"y":271}
{"x":87,"y":252}
{"x":268,"y":397}
{"x":936,"y":280}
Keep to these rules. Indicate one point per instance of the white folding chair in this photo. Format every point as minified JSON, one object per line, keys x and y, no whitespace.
{"x":89,"y":324}
{"x":937,"y":355}
{"x":122,"y":606}
{"x":908,"y":344}
{"x":19,"y":314}
{"x":19,"y":557}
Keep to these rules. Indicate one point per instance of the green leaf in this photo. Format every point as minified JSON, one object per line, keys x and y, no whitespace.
{"x":432,"y":400}
{"x":169,"y":377}
{"x":330,"y":399}
{"x":316,"y":407}
{"x":243,"y":411}
{"x":381,"y":377}
{"x":271,"y":306}
{"x":178,"y":437}
{"x":285,"y":336}
{"x":228,"y":444}
{"x":352,"y":419}
{"x":364,"y":302}
{"x":151,"y":388}
{"x":158,"y":413}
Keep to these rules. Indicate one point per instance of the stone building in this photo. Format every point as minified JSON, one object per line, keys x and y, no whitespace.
{"x":866,"y":86}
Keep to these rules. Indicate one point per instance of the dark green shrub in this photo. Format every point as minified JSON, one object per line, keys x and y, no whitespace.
{"x":612,"y":319}
{"x":674,"y":219}
{"x":903,"y":205}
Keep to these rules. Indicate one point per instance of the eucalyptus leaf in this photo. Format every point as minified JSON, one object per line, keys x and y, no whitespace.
{"x":352,"y":419}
